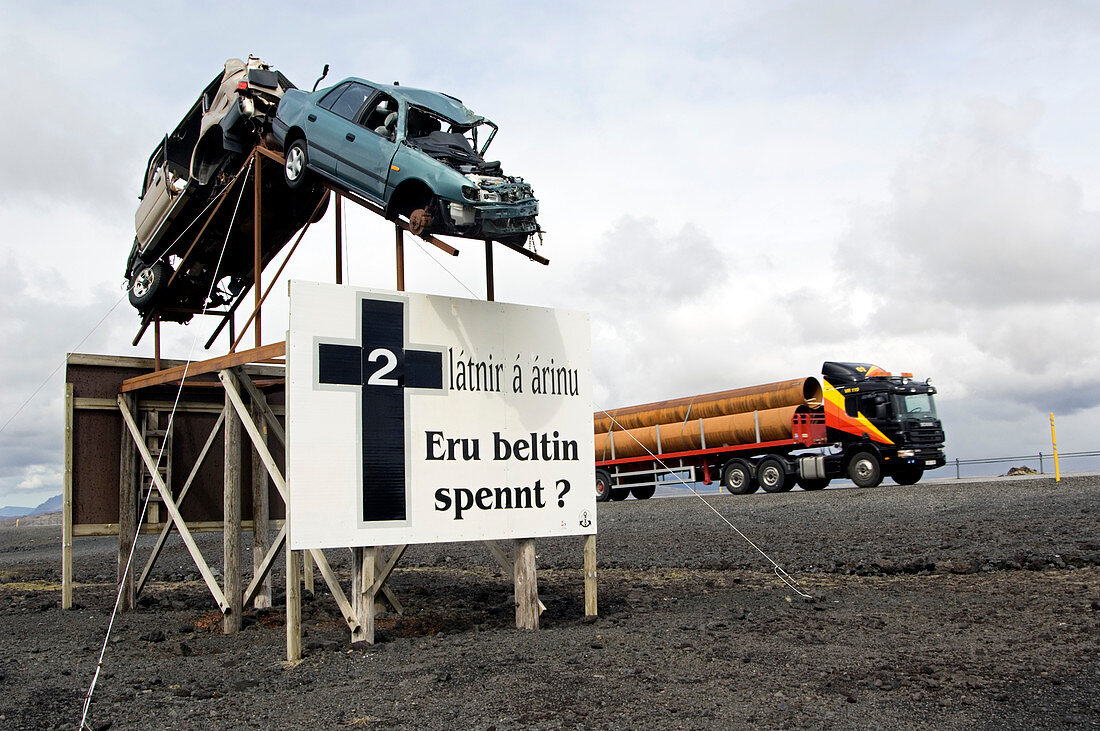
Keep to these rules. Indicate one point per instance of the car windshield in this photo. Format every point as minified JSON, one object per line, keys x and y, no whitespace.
{"x":919,"y":405}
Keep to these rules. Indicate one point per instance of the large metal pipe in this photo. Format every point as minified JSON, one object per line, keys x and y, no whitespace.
{"x":796,"y":392}
{"x":681,"y":436}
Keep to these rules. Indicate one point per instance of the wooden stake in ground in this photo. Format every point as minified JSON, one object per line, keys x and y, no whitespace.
{"x":526,"y":584}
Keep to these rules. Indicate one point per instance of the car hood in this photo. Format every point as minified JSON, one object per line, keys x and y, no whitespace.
{"x":442,"y":104}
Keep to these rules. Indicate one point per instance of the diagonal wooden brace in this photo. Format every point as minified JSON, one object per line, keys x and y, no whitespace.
{"x":230,"y":382}
{"x":506,"y":564}
{"x":179,"y":501}
{"x":170,"y":505}
{"x":334,"y":586}
{"x":265,"y":566}
{"x":384,"y":574}
{"x":258,"y":398}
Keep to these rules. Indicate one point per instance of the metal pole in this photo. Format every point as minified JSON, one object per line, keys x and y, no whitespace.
{"x":957,"y":468}
{"x":339,"y":238}
{"x":1054,"y":443}
{"x":257,"y":261}
{"x":489,"y":293}
{"x":1041,"y":463}
{"x":400,"y":258}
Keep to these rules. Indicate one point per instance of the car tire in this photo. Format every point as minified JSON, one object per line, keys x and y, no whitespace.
{"x":603,"y":486}
{"x":295,"y":166}
{"x":865,"y":470}
{"x":147,"y":284}
{"x":738,"y":477}
{"x":908,"y":476}
{"x":771,"y":473}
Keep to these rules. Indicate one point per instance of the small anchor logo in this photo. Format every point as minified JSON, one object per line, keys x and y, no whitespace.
{"x":585,"y":522}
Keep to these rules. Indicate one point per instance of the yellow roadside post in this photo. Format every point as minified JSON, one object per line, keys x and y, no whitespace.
{"x":1054,"y":442}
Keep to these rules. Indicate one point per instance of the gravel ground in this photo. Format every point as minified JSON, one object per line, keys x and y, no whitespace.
{"x":946,"y":606}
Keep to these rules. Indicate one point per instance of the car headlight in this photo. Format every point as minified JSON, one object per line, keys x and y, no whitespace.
{"x":490,"y":196}
{"x":906,"y":453}
{"x":469,"y":192}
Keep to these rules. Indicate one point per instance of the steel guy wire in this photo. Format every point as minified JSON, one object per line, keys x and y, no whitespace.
{"x":780,"y":572}
{"x":444,"y":268}
{"x":149,"y":495}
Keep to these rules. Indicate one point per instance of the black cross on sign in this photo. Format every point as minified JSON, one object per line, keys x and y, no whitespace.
{"x":383,"y":368}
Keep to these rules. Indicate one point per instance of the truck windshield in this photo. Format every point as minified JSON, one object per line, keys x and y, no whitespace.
{"x":915,"y":405}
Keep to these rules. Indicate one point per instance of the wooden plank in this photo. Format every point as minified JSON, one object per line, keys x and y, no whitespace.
{"x":233,"y":397}
{"x":257,"y":396}
{"x":167,"y":527}
{"x":231,"y":516}
{"x":261,"y":536}
{"x":506,"y":564}
{"x":85,"y":530}
{"x":307,"y":571}
{"x":67,"y":506}
{"x":263,"y":571}
{"x":519,"y":249}
{"x":178,"y":373}
{"x":293,"y":607}
{"x":189,"y":407}
{"x":590,"y":606}
{"x":364,"y":569}
{"x":526,"y":584}
{"x":127,"y":514}
{"x":173,"y":511}
{"x":333,"y":584}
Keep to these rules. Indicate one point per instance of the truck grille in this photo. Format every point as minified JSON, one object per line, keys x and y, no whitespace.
{"x":925,"y":436}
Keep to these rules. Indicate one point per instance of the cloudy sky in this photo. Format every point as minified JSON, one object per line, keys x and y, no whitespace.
{"x":736,"y":191}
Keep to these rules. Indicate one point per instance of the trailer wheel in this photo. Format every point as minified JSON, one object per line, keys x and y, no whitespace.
{"x":771,"y":473}
{"x":819,"y":484}
{"x":603,"y":486}
{"x":643,"y":492}
{"x":909,"y":476}
{"x":738,"y":478}
{"x":620,"y":493}
{"x":865,"y":470}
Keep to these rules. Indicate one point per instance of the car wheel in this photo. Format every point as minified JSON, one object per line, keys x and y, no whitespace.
{"x":771,"y":473}
{"x":908,"y":477}
{"x":737,"y":477}
{"x":819,"y":484}
{"x":294,"y":169}
{"x":643,"y":493}
{"x":865,"y":470}
{"x":420,"y":221}
{"x":603,"y":486}
{"x":148,"y":283}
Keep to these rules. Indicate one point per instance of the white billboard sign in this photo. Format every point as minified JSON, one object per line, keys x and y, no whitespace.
{"x":418,"y":419}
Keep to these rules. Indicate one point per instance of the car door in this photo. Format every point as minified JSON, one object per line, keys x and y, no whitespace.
{"x":157,"y":197}
{"x":328,"y":134}
{"x":365,"y":164}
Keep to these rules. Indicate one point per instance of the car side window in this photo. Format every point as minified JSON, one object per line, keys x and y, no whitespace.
{"x":380,"y":116}
{"x":347,"y":106}
{"x":329,"y":99}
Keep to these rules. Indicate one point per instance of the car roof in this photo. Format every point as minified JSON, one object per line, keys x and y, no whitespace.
{"x":444,"y":105}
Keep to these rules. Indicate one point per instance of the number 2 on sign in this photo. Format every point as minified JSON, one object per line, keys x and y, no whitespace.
{"x":378,"y":378}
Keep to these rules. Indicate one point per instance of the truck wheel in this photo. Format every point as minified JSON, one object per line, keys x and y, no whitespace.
{"x":909,"y":476}
{"x":603,"y":486}
{"x":643,"y":493}
{"x":620,"y":493}
{"x":737,"y":477}
{"x":819,"y":484}
{"x":865,"y":470}
{"x":771,"y":473}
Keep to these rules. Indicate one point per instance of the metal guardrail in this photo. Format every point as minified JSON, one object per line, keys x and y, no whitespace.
{"x":1040,"y":457}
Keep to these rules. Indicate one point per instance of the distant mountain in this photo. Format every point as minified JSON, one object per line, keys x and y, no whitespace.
{"x":50,"y":506}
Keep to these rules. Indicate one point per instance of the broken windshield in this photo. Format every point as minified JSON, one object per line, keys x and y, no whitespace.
{"x":450,"y":142}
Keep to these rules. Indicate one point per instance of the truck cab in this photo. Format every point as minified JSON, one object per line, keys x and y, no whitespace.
{"x":882,"y":424}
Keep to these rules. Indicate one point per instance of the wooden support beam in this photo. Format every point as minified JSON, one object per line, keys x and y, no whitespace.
{"x":233,"y":397}
{"x":257,"y":396}
{"x":261,"y":576}
{"x":526,"y":584}
{"x":590,"y":606}
{"x":339,"y":238}
{"x":400,"y":253}
{"x":293,"y":607}
{"x":167,"y":528}
{"x":179,"y":373}
{"x":506,"y":564}
{"x":261,"y":536}
{"x":490,"y":290}
{"x":127,"y":514}
{"x":333,"y":584}
{"x":231,"y":536}
{"x":169,"y":503}
{"x":364,"y":569}
{"x":307,"y":571}
{"x":67,"y":506}
{"x":520,"y":249}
